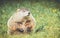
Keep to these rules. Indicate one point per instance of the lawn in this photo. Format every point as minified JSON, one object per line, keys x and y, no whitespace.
{"x":46,"y":14}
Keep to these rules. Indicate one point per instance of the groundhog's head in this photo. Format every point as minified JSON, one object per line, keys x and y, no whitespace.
{"x":23,"y":12}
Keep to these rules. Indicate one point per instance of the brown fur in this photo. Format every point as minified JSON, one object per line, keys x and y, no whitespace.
{"x":16,"y":22}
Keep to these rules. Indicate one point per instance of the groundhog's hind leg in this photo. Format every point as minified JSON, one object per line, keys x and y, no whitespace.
{"x":10,"y":32}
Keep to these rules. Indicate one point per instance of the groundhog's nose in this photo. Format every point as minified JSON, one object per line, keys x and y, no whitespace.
{"x":28,"y":13}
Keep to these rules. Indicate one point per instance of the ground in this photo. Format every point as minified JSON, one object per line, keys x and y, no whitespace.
{"x":46,"y":14}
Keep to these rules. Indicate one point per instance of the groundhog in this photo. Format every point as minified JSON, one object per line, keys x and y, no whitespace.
{"x":21,"y":21}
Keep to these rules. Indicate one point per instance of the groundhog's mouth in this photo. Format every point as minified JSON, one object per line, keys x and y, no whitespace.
{"x":26,"y":17}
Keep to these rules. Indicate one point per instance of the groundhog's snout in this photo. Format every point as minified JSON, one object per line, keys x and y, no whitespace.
{"x":28,"y":13}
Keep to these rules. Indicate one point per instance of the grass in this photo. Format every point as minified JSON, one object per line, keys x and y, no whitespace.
{"x":46,"y":14}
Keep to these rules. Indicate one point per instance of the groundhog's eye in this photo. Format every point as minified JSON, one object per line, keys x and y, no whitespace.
{"x":19,"y":22}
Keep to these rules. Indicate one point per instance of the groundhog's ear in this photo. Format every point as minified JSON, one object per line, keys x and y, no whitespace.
{"x":18,"y":10}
